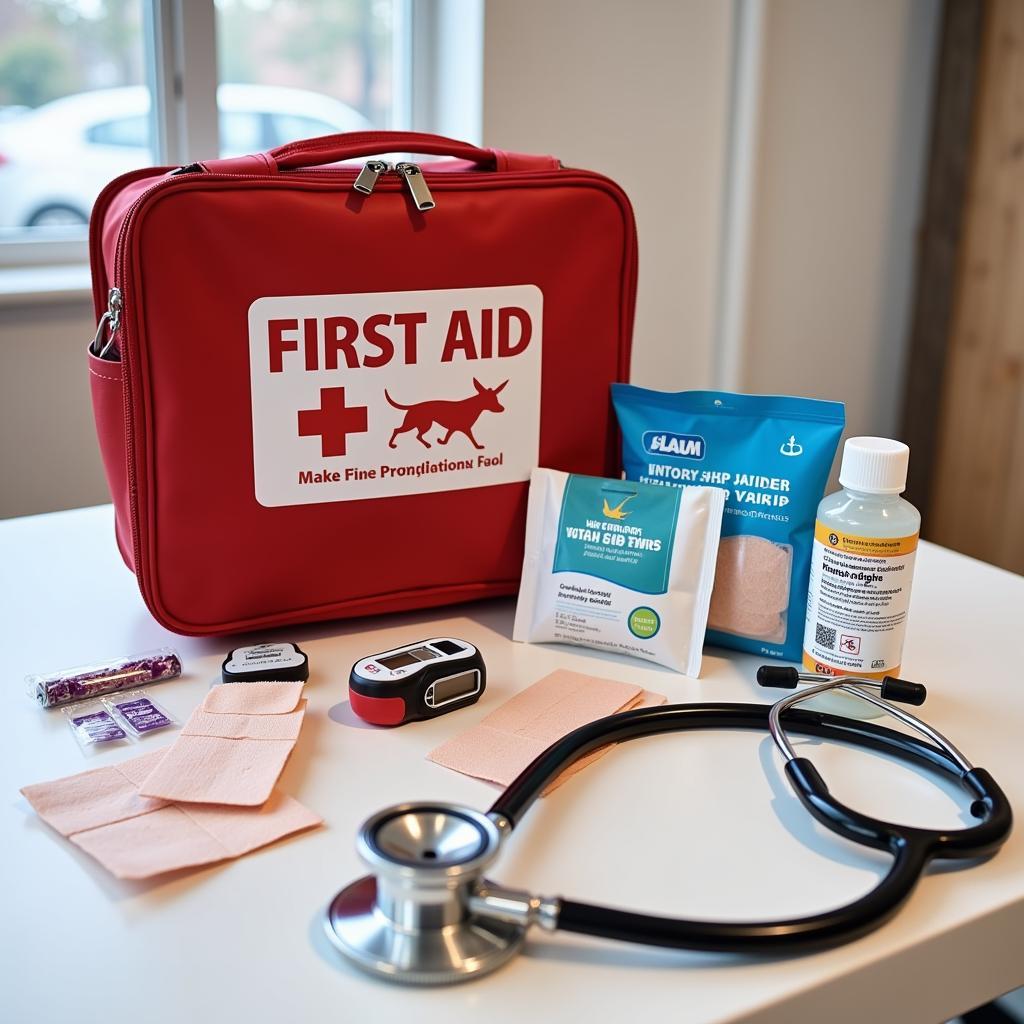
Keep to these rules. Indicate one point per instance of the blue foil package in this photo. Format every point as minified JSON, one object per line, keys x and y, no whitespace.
{"x":772,"y":456}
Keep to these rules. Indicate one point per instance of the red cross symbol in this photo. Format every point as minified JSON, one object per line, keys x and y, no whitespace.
{"x":333,"y":421}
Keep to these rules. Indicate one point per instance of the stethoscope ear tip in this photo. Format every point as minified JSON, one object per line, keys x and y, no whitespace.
{"x":903,"y":691}
{"x":778,"y":676}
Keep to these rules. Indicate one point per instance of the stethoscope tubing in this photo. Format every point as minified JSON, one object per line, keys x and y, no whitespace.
{"x":520,"y":794}
{"x":911,"y":848}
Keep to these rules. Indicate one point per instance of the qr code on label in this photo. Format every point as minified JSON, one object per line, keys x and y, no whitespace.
{"x":825,"y":636}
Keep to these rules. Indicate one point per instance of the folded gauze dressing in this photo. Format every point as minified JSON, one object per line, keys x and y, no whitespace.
{"x":619,"y":566}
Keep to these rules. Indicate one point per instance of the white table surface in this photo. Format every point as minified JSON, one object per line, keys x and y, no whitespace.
{"x":697,"y":825}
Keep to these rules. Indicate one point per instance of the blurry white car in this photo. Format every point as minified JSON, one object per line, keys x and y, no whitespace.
{"x":55,"y":159}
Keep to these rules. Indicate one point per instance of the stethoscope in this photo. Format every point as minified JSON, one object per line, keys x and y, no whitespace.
{"x":427,"y":915}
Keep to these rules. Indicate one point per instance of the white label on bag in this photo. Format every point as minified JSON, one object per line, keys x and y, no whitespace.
{"x":387,"y":393}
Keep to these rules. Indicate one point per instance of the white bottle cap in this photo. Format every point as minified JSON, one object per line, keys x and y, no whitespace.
{"x":875,"y":465}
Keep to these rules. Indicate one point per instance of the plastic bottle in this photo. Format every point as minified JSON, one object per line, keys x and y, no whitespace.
{"x":862,"y":566}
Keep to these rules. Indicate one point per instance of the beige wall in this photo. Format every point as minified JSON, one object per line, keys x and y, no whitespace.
{"x":843,"y":140}
{"x":638,"y":91}
{"x":641,"y":92}
{"x":48,"y":453}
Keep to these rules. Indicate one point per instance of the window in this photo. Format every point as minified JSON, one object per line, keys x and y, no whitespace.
{"x":315,"y":67}
{"x":72,"y":96}
{"x":92,"y":88}
{"x":241,"y":132}
{"x":288,"y":127}
{"x":125,"y":131}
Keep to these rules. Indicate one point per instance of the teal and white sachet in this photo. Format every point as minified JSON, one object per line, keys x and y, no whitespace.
{"x":619,"y":566}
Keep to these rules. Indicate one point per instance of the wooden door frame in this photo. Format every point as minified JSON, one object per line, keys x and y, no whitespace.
{"x":949,"y":162}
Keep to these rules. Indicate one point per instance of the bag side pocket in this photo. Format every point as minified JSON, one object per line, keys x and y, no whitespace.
{"x":106,"y":385}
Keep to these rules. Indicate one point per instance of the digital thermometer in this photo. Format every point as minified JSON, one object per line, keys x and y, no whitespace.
{"x":420,"y":680}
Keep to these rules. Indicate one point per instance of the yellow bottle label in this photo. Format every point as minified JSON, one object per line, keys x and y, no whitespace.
{"x":851,"y":543}
{"x":857,"y":603}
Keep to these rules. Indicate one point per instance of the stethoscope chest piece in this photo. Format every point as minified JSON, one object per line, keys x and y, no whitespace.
{"x":412,"y":920}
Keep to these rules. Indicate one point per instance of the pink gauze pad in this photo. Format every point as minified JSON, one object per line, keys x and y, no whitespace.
{"x":97,"y":797}
{"x":185,"y":836}
{"x":229,"y":753}
{"x":751,"y":594}
{"x":647,"y":699}
{"x":269,"y":698}
{"x":132,"y":836}
{"x":508,"y":739}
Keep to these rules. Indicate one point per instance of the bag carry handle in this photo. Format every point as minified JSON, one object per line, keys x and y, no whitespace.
{"x":328,"y":149}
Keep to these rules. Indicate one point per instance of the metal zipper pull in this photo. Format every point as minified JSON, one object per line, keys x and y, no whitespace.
{"x":417,"y":186}
{"x":368,"y":176}
{"x":109,"y":322}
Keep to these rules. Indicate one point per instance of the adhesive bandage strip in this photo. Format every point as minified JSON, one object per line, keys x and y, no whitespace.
{"x":233,"y":748}
{"x":134,"y":837}
{"x":509,"y":738}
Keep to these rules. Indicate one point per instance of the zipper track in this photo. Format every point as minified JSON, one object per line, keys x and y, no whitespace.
{"x":441,"y":180}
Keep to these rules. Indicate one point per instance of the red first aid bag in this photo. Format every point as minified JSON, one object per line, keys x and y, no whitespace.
{"x":322,"y":389}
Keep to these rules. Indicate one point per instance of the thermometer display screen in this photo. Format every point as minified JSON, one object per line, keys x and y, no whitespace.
{"x":404,"y":658}
{"x":399,"y":660}
{"x":454,"y":686}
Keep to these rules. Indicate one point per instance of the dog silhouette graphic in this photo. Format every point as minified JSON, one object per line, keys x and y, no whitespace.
{"x":455,"y":417}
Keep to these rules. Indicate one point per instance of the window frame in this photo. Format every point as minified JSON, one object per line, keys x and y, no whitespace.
{"x":438,"y":86}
